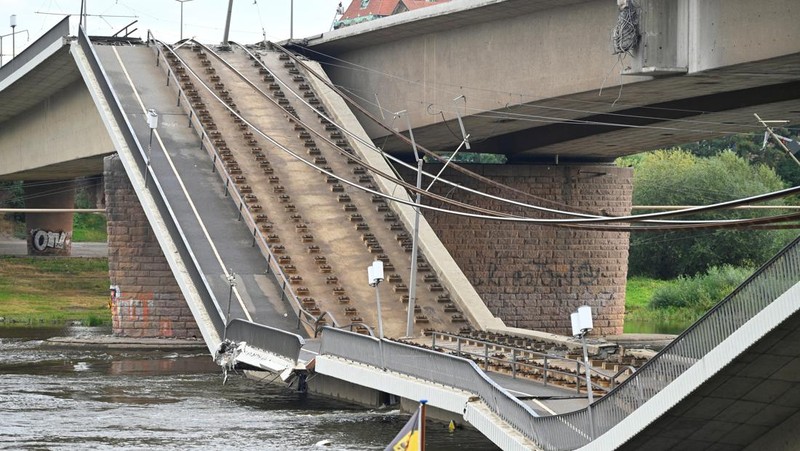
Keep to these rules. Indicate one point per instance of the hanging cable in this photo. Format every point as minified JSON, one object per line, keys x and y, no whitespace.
{"x":501,"y":215}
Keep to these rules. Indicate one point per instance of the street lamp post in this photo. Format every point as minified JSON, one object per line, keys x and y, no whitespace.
{"x":232,"y":283}
{"x":581,"y":325}
{"x":152,"y":122}
{"x":13,"y":36}
{"x":375,"y":277}
{"x":182,"y":2}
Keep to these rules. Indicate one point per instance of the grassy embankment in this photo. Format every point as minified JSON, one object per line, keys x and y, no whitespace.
{"x":53,"y":290}
{"x":670,"y":306}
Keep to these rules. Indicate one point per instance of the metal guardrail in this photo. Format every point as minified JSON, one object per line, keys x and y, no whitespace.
{"x":159,"y":197}
{"x":430,"y":366}
{"x":545,"y":368}
{"x":570,"y":431}
{"x":270,"y":339}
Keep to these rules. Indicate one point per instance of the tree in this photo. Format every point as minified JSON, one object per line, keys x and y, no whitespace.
{"x":678,"y":177}
{"x":749,"y":147}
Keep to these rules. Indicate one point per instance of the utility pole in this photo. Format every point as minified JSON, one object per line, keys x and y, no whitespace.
{"x":291,"y":19}
{"x":777,"y":138}
{"x":182,"y":2}
{"x":228,"y":23}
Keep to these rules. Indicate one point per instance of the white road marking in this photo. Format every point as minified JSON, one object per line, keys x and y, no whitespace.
{"x":183,"y":187}
{"x":539,"y":403}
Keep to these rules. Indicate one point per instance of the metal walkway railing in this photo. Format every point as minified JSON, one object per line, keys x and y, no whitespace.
{"x":572,"y":430}
{"x":762,"y":288}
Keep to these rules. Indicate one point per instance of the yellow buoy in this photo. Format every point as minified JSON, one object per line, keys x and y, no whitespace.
{"x":452,"y":426}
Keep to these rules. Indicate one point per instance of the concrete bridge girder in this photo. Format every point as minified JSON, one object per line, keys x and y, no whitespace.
{"x":529,"y":71}
{"x":47,"y":140}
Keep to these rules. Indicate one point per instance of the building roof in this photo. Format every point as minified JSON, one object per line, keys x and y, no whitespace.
{"x":381,"y":8}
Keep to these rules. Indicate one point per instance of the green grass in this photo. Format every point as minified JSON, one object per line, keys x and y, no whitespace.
{"x":640,"y":290}
{"x":669,"y":306}
{"x":53,"y":290}
{"x":641,"y":318}
{"x":89,"y":227}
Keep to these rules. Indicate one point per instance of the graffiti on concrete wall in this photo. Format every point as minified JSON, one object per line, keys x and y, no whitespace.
{"x":42,"y":239}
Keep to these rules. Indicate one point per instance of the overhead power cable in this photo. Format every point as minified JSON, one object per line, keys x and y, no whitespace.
{"x":502,"y":216}
{"x":428,"y":152}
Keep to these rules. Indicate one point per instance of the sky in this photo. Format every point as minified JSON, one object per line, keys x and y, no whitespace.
{"x":202,"y":19}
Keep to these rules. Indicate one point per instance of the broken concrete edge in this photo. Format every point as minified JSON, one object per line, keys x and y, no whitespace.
{"x":112,"y":342}
{"x":464,"y":295}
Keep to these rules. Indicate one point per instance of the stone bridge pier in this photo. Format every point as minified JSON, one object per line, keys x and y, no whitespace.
{"x":146,"y":299}
{"x":534,"y":276}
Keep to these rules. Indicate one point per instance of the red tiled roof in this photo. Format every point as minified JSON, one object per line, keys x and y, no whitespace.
{"x":415,"y":4}
{"x":383,"y":7}
{"x":374,"y":7}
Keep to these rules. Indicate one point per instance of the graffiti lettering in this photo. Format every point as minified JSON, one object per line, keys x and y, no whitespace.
{"x":43,"y":239}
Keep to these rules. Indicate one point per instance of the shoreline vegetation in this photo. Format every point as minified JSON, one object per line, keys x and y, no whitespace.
{"x":28,"y":288}
{"x":54,"y":291}
{"x":58,"y":291}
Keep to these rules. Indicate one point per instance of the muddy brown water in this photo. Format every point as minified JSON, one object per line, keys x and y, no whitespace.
{"x":70,"y":398}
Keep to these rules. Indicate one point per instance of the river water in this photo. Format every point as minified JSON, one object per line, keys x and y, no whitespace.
{"x":69,"y":398}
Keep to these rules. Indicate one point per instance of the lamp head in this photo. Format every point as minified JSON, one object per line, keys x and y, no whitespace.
{"x":375,"y":273}
{"x":152,"y":118}
{"x":581,"y":321}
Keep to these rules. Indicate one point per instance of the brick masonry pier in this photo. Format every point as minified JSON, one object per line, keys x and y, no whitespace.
{"x":148,"y":301}
{"x":534,"y":276}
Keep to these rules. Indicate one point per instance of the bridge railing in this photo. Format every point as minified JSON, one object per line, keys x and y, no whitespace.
{"x":430,"y":366}
{"x":231,"y":188}
{"x":36,"y":48}
{"x":550,"y":364}
{"x":171,"y":223}
{"x":571,"y":430}
{"x":270,"y":339}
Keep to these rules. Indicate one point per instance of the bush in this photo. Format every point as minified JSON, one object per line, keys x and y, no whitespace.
{"x":89,"y":227}
{"x":676,"y":177}
{"x":701,"y":292}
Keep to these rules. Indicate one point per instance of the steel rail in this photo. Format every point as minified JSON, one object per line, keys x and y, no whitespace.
{"x":413,"y":188}
{"x":306,"y":317}
{"x":506,"y":218}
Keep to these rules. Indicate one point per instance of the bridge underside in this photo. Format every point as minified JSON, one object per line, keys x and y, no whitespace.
{"x":530,"y":87}
{"x":650,"y":115}
{"x":752,"y":404}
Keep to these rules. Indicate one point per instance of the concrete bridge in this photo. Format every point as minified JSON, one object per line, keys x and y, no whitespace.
{"x":540,"y":83}
{"x":180,"y":218}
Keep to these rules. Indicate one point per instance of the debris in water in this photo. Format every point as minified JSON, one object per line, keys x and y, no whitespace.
{"x":226,"y":355}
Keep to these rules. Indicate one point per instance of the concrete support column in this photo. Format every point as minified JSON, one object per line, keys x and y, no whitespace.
{"x":49,"y":233}
{"x":93,"y":189}
{"x":534,"y":276}
{"x":146,"y":299}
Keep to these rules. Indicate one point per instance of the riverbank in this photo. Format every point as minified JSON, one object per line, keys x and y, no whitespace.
{"x":54,"y":290}
{"x":112,"y":342}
